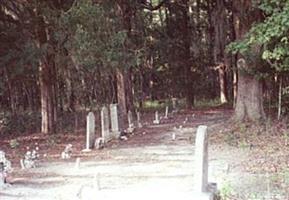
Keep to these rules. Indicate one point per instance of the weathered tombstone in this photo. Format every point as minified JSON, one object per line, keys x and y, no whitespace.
{"x":5,"y":168}
{"x":114,"y":121}
{"x":31,"y":158}
{"x":2,"y":169}
{"x":66,"y":154}
{"x":130,"y":119}
{"x":90,"y":131}
{"x":167,"y":112}
{"x":77,"y":163}
{"x":174,"y":102}
{"x":139,"y":124}
{"x":201,"y":186}
{"x":157,"y":120}
{"x":105,"y":124}
{"x":130,"y":122}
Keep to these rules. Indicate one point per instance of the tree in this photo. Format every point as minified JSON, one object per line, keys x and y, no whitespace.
{"x":249,"y":103}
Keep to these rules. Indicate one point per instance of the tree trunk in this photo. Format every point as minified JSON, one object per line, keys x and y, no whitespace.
{"x":223,"y":84}
{"x":124,"y":94}
{"x":189,"y":92}
{"x":124,"y":85}
{"x":46,"y":78}
{"x":249,"y":105}
{"x":219,"y":19}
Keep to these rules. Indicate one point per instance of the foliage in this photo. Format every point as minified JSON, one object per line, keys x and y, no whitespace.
{"x":271,"y":35}
{"x":11,"y":124}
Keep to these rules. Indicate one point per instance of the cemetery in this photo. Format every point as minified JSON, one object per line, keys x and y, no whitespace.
{"x":166,"y":160}
{"x":144,"y":99}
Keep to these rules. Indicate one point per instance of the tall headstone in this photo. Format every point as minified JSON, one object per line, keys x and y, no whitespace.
{"x":167,"y":113}
{"x":105,"y":134}
{"x":130,"y":122}
{"x":157,"y":120}
{"x":114,"y":121}
{"x":201,"y":186}
{"x":130,"y":119}
{"x":139,"y":124}
{"x":90,"y":130}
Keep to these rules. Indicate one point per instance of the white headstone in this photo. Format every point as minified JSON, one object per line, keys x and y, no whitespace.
{"x":201,"y":186}
{"x":5,"y":168}
{"x":130,"y":119}
{"x":139,"y":124}
{"x":77,"y":163}
{"x":105,"y":134}
{"x":90,"y":130}
{"x":130,"y":122}
{"x":174,"y":101}
{"x":157,"y":120}
{"x":167,"y":112}
{"x":114,"y":121}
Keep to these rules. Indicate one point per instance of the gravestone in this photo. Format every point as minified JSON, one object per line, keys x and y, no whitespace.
{"x":201,"y":185}
{"x":130,"y":122}
{"x":167,"y":113}
{"x":139,"y":124}
{"x":90,"y":131}
{"x":114,"y":121}
{"x":77,"y":163}
{"x":130,"y":119}
{"x":157,"y":120}
{"x":5,"y":168}
{"x":66,"y":154}
{"x":31,"y":158}
{"x":174,"y":102}
{"x":105,"y":134}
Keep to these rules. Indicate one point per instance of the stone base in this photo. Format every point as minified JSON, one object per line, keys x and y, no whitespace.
{"x":130,"y":129}
{"x":86,"y":150}
{"x":156,"y":121}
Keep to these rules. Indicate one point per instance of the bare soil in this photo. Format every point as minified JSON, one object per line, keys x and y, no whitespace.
{"x":150,"y":164}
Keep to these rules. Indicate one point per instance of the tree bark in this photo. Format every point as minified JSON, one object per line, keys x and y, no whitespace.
{"x":249,"y":105}
{"x":46,"y":77}
{"x":219,"y":19}
{"x":124,"y":85}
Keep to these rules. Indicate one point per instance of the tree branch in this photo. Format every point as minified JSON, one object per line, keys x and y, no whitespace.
{"x":148,"y":5}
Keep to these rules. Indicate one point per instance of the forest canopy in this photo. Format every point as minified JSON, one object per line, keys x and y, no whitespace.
{"x":59,"y":58}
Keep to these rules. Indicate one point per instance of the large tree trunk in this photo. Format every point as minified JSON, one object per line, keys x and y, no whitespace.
{"x":189,"y":92}
{"x":219,"y":19}
{"x":250,"y":96}
{"x":249,"y":105}
{"x":47,"y":99}
{"x":46,"y":80}
{"x":223,"y":83}
{"x":124,"y":84}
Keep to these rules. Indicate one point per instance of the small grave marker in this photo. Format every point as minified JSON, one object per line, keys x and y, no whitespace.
{"x":157,"y":120}
{"x":139,"y":124}
{"x":167,"y":113}
{"x":5,"y":168}
{"x":130,"y":122}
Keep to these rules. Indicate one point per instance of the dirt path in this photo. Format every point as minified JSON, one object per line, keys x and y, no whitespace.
{"x":150,"y":164}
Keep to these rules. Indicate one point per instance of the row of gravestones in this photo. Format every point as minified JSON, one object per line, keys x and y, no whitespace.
{"x":109,"y":126}
{"x":202,"y":189}
{"x":106,"y":121}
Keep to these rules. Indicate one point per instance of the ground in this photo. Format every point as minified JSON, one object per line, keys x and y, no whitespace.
{"x":245,"y":162}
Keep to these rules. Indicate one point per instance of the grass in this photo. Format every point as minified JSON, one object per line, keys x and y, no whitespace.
{"x":153,"y":105}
